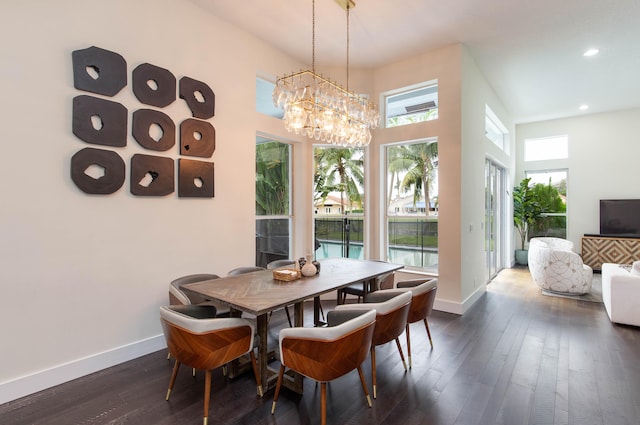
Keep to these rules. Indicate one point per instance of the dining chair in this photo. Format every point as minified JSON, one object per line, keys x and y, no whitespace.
{"x":178,"y":296}
{"x":250,"y":269}
{"x":206,"y":344}
{"x":244,"y":269}
{"x":384,"y":281}
{"x":326,"y":353}
{"x":392,"y":309}
{"x":423,"y":294}
{"x":276,"y":264}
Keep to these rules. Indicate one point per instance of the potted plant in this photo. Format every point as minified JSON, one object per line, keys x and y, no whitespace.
{"x":526,"y":212}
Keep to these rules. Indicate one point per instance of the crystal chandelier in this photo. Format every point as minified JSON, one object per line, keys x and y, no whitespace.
{"x":322,"y":109}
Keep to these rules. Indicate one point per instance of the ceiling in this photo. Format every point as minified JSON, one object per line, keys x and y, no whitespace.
{"x":529,"y":51}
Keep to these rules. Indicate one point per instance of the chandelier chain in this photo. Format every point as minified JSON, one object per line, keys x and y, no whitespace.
{"x":313,"y":35}
{"x":348,"y":8}
{"x":323,"y":109}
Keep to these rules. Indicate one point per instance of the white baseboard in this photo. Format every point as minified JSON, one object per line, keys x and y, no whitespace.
{"x":456,"y":307}
{"x":41,"y":380}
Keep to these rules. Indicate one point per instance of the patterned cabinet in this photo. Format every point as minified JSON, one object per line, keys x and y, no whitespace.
{"x":600,"y":249}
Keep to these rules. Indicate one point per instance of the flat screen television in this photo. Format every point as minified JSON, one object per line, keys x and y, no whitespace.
{"x":620,"y":217}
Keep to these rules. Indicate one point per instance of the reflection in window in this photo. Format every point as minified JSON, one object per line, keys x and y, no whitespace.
{"x":338,"y":201}
{"x":273,"y":200}
{"x":412,"y":204}
{"x":411,"y":105}
{"x":550,"y":190}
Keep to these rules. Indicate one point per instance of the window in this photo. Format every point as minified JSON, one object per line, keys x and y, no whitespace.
{"x":494,"y":129}
{"x":273,"y":200}
{"x":412,"y":204}
{"x":338,"y":193}
{"x":410,"y":105}
{"x":551,"y":190}
{"x":264,"y":99}
{"x":545,"y":148}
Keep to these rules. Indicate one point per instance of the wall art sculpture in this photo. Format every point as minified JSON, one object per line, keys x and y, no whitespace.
{"x":99,"y":71}
{"x":108,"y":180}
{"x":153,"y":85}
{"x":199,"y":97}
{"x":197,"y":138}
{"x":152,"y":175}
{"x":143,"y":120}
{"x":195,"y":179}
{"x":104,"y":122}
{"x":99,"y":121}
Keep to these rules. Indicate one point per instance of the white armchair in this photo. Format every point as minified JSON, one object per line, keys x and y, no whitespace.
{"x":621,"y":293}
{"x":555,"y":266}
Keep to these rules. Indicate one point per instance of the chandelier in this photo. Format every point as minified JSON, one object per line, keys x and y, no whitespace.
{"x":322,"y":109}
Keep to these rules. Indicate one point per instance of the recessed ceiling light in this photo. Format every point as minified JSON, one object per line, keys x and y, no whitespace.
{"x":591,"y":52}
{"x":583,"y":107}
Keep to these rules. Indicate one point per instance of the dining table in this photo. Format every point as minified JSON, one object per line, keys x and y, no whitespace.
{"x":258,"y":293}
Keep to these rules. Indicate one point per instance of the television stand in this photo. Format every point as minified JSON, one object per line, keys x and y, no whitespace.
{"x":599,"y":249}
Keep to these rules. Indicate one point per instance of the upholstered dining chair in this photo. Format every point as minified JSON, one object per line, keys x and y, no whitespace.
{"x":392,"y":309}
{"x":244,"y":269}
{"x":384,"y":281}
{"x":178,"y":296}
{"x":251,"y":269}
{"x":326,"y":353}
{"x":423,"y":294}
{"x":205,"y":344}
{"x":276,"y":264}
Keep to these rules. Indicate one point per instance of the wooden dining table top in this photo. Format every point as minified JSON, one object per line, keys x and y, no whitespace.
{"x":259,"y":293}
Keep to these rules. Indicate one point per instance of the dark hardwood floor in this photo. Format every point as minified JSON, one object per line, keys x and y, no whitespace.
{"x":517,"y":357}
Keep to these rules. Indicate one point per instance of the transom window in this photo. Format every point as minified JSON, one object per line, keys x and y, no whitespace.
{"x":546,"y":148}
{"x":410,"y":105}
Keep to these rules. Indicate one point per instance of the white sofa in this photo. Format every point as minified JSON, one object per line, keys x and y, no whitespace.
{"x":555,"y":266}
{"x":621,"y":292}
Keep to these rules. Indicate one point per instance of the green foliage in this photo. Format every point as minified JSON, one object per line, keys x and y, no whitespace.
{"x":339,"y":170}
{"x":526,"y":209}
{"x":272,"y":178}
{"x":419,"y":160}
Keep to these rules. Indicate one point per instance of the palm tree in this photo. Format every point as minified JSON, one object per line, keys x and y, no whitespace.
{"x":272,"y":178}
{"x":396,"y":164}
{"x":423,"y":158}
{"x":339,"y":169}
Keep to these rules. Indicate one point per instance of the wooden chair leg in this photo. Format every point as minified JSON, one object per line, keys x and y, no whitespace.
{"x":256,"y":373}
{"x":364,"y":385}
{"x":426,"y":325}
{"x":401,"y":353}
{"x":277,"y":392}
{"x":408,"y":344}
{"x":373,"y":370}
{"x":323,"y":403}
{"x":172,"y":381}
{"x":207,"y":396}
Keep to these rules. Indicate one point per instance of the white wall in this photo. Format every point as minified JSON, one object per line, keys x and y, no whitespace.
{"x":603,"y":163}
{"x":476,"y":148}
{"x":462,"y":148}
{"x":83,"y":275}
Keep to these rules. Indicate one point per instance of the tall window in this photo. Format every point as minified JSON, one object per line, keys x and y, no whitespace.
{"x":273,"y":200}
{"x":412,"y":204}
{"x":550,"y":188}
{"x":412,"y":104}
{"x":338,"y":202}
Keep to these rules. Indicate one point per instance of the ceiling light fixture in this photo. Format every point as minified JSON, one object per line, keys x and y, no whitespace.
{"x":323,"y":109}
{"x":591,"y":52}
{"x":583,"y":107}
